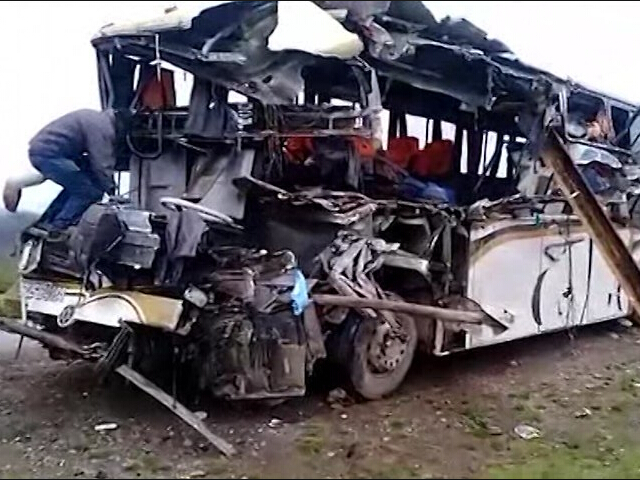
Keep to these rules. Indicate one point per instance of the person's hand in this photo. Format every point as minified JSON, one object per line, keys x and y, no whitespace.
{"x":11,"y":196}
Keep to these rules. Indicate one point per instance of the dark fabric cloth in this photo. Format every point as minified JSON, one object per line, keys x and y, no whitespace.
{"x":82,"y":132}
{"x":182,"y":236}
{"x":80,"y":190}
{"x":209,"y":114}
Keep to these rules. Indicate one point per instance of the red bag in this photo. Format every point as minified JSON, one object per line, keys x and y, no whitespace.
{"x":159,"y":95}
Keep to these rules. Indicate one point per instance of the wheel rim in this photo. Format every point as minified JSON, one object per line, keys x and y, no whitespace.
{"x":387,"y":348}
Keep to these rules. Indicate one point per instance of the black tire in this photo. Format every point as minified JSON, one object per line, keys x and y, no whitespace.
{"x":372,"y":385}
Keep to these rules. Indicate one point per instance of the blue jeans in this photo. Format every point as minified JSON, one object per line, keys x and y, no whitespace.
{"x":79,"y":190}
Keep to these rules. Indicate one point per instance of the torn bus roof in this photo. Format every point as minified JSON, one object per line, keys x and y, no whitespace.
{"x":243,"y":44}
{"x":407,"y":16}
{"x":174,"y":19}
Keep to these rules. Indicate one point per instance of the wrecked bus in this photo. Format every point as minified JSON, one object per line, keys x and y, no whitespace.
{"x":345,"y":195}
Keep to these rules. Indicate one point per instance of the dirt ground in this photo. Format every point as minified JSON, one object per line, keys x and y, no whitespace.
{"x":453,"y":417}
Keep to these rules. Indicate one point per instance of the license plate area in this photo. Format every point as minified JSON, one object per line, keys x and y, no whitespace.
{"x":42,"y":291}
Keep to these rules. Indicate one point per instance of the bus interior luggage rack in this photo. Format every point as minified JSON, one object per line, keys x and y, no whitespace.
{"x":289,"y":121}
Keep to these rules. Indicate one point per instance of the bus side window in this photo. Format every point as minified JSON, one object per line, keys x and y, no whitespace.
{"x":634,"y":137}
{"x":620,"y":117}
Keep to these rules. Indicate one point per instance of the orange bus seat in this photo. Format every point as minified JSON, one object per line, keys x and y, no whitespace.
{"x":400,"y":150}
{"x":434,"y":160}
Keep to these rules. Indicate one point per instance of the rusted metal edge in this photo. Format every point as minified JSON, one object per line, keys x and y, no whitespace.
{"x":46,"y":338}
{"x":176,"y":407}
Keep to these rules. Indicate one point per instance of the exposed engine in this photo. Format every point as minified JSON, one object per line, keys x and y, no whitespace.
{"x":249,"y":354}
{"x":241,"y":329}
{"x":252,"y":341}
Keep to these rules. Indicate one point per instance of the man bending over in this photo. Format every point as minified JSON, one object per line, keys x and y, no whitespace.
{"x":77,"y":152}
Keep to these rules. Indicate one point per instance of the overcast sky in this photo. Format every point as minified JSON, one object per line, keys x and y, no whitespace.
{"x":48,"y":66}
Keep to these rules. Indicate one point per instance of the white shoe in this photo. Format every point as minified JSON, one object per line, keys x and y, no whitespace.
{"x":11,"y":196}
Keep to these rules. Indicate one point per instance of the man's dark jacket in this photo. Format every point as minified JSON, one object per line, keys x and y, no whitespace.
{"x":78,"y":133}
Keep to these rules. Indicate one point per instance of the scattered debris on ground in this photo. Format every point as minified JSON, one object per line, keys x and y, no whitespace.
{"x":48,"y":413}
{"x":104,"y":427}
{"x":526,"y":432}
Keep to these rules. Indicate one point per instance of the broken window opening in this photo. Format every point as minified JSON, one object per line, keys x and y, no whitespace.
{"x":589,"y":118}
{"x":620,"y":118}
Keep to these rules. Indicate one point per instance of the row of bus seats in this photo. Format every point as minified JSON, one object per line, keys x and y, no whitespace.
{"x":428,"y":169}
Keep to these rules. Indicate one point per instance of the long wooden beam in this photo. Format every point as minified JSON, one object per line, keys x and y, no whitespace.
{"x":445,"y":314}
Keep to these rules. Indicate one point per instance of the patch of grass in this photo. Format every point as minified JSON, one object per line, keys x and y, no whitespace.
{"x":553,"y":461}
{"x":575,"y":441}
{"x":524,"y":395}
{"x":621,"y":405}
{"x":526,"y":413}
{"x":219,"y":466}
{"x":477,"y":423}
{"x":395,"y":470}
{"x":12,"y":473}
{"x":151,"y":463}
{"x":8,"y":273}
{"x":100,"y":453}
{"x":498,"y":444}
{"x":628,"y":384}
{"x":9,"y":295}
{"x":10,"y":304}
{"x":396,"y":424}
{"x":145,"y":465}
{"x":311,"y":442}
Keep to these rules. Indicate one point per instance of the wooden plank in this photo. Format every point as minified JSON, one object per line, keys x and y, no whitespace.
{"x":176,"y":407}
{"x":594,"y":218}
